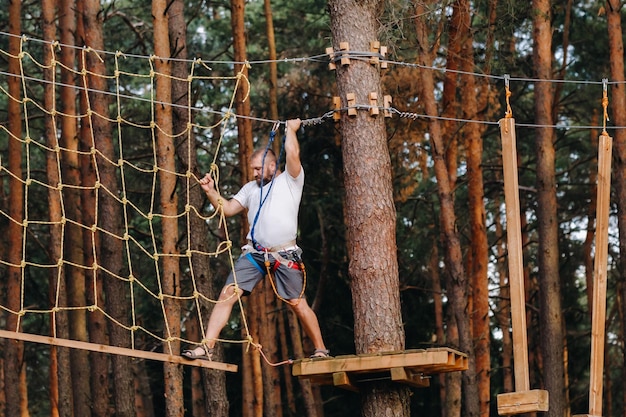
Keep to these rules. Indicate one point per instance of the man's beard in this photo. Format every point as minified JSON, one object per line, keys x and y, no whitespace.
{"x":265,"y":181}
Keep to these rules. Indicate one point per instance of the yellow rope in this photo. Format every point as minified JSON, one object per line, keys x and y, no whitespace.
{"x":136,"y":218}
{"x":605,"y":106}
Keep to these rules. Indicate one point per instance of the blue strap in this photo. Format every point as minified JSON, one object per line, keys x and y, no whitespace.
{"x":262,"y":199}
{"x":251,"y":259}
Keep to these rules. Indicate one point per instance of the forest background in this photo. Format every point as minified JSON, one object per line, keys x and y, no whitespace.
{"x":448,"y":67}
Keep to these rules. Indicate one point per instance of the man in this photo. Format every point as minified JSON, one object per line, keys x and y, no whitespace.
{"x":272,"y":201}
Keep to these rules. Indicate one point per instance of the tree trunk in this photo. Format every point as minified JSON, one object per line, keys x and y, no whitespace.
{"x":111,"y":248}
{"x":252,"y":403}
{"x":587,"y":246}
{"x":503,"y":315}
{"x":268,"y":336}
{"x":54,"y":206}
{"x":370,"y":223}
{"x":449,"y":101}
{"x":215,"y":402}
{"x":618,"y":108}
{"x":94,"y":129}
{"x":73,"y":234}
{"x":479,"y":247}
{"x":273,"y":67}
{"x":13,"y":348}
{"x":173,"y":376}
{"x":456,"y":282}
{"x":271,"y":375}
{"x":310,"y":396}
{"x":550,"y":311}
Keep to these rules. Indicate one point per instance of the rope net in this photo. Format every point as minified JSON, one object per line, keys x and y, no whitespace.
{"x":65,"y":172}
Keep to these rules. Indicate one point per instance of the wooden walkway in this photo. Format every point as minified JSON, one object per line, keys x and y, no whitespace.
{"x":411,"y":367}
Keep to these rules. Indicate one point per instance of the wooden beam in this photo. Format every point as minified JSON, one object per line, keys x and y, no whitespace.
{"x":515,"y":258}
{"x":598,"y":317}
{"x":136,"y":353}
{"x":407,"y":376}
{"x":522,"y":402}
{"x":343,"y":380}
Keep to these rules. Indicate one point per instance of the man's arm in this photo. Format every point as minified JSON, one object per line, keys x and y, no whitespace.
{"x":292,"y":148}
{"x":229,"y":207}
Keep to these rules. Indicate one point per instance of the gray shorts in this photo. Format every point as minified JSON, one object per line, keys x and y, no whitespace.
{"x":250,"y":269}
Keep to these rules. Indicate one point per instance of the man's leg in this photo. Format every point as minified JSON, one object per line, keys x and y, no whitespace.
{"x":219,"y":317}
{"x":309,"y":322}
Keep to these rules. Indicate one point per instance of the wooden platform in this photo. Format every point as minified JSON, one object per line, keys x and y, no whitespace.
{"x":411,"y":367}
{"x":136,"y":353}
{"x":523,"y":402}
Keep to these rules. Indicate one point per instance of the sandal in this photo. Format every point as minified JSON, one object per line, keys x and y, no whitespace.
{"x":207,"y":353}
{"x":320,"y":354}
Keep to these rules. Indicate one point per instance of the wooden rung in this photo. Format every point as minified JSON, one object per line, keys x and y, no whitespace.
{"x":135,"y":353}
{"x":522,"y":402}
{"x":584,"y":415}
{"x":343,"y":380}
{"x":406,"y":376}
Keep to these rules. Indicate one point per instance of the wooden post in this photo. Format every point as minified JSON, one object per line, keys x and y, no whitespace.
{"x":523,"y":400}
{"x":598,"y":316}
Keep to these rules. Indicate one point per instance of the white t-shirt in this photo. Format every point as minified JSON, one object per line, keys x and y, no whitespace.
{"x":277,"y":223}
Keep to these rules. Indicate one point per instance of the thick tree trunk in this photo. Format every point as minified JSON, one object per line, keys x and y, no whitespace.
{"x":73,"y":234}
{"x":93,"y":130}
{"x":618,"y":108}
{"x":550,"y":312}
{"x":215,"y":402}
{"x":13,"y":348}
{"x":173,"y":376}
{"x":252,"y":402}
{"x":370,"y":223}
{"x":457,"y":282}
{"x":479,"y":247}
{"x":111,"y":250}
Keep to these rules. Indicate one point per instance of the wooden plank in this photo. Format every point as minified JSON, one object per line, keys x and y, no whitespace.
{"x":343,"y":380}
{"x":135,"y":353}
{"x":372,"y":363}
{"x":598,"y":317}
{"x":522,"y":402}
{"x":406,"y":376}
{"x":515,"y":256}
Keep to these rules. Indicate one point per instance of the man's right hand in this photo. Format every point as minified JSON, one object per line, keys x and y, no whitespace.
{"x":207,"y":183}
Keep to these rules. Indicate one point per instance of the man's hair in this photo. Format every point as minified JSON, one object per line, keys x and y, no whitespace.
{"x":270,"y":157}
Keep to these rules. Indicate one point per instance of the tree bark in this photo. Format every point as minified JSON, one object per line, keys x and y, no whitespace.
{"x":550,"y":312}
{"x":173,"y":376}
{"x":370,"y":223}
{"x":13,"y":348}
{"x":54,"y":208}
{"x":73,"y":234}
{"x":479,"y":247}
{"x":215,"y":402}
{"x":273,"y":67}
{"x":251,"y":400}
{"x":618,"y":108}
{"x":93,"y":130}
